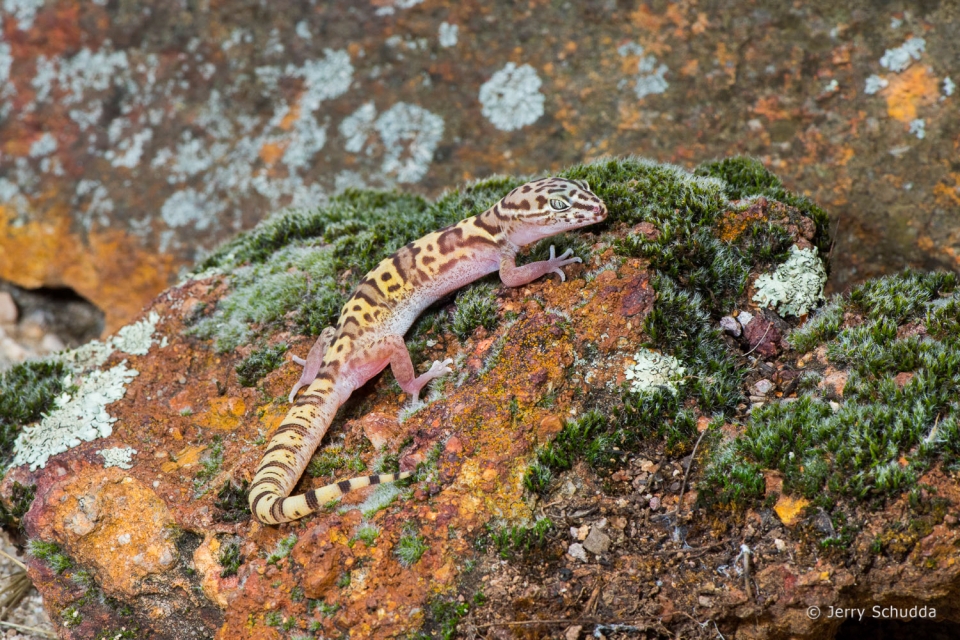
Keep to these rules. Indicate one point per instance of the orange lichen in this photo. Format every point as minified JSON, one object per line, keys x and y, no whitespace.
{"x":113,"y":524}
{"x":908,"y":91}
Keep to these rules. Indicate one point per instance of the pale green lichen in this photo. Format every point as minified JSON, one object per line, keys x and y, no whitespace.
{"x":117,"y":457}
{"x":654,"y":371}
{"x":79,"y":413}
{"x":78,"y":417}
{"x":796,"y":286}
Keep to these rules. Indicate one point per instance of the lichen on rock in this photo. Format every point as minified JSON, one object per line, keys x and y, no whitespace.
{"x":796,"y":286}
{"x":80,"y":416}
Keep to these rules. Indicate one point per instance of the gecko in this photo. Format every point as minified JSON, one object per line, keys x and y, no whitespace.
{"x":368,"y":335}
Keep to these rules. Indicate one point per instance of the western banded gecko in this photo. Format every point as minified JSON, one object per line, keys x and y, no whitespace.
{"x":369,"y":334}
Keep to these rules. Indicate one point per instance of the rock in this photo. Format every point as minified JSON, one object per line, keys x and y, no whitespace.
{"x":730,"y":326}
{"x":761,"y":337}
{"x":11,"y":350}
{"x":833,"y":384}
{"x":8,"y":308}
{"x":51,"y":344}
{"x":572,"y":632}
{"x":576,"y":551}
{"x":597,"y":542}
{"x":182,"y":168}
{"x":762,"y":387}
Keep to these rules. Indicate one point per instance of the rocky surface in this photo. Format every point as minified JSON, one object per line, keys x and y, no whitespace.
{"x":138,"y":135}
{"x":568,"y":482}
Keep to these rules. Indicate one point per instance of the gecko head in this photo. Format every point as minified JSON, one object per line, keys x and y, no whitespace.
{"x":549,"y":206}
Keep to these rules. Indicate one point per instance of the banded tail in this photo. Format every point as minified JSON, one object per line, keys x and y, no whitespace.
{"x":288,"y":453}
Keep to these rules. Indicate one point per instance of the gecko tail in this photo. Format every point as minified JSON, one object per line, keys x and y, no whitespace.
{"x":271,"y":508}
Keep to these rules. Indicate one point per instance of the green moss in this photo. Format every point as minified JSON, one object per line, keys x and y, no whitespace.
{"x":27,"y":391}
{"x":50,"y":553}
{"x":886,"y":432}
{"x":324,"y":609}
{"x":578,"y":438}
{"x":902,"y":297}
{"x":209,"y":466}
{"x":232,"y":502}
{"x":283,"y":549}
{"x":368,"y":534}
{"x":259,"y":363}
{"x":476,"y":307}
{"x":410,"y":547}
{"x":744,"y":177}
{"x":326,"y":462}
{"x":509,"y":541}
{"x":822,"y":326}
{"x":21,"y":498}
{"x":230,"y":559}
{"x":637,"y":190}
{"x":443,"y":617}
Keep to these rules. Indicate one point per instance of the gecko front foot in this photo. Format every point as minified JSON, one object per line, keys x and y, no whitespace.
{"x":554,"y":263}
{"x":436,"y":370}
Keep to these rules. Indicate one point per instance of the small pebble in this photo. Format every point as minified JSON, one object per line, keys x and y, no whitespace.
{"x":730,"y":325}
{"x":577,"y":551}
{"x":11,"y":350}
{"x":51,"y":344}
{"x":762,"y":387}
{"x":8,"y":308}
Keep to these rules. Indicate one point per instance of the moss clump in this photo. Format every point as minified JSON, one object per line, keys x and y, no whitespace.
{"x":230,"y":559}
{"x":367,"y":534}
{"x":27,"y":391}
{"x":476,"y":307}
{"x":209,"y":466}
{"x":887,"y":430}
{"x":283,"y":549}
{"x":578,"y":438}
{"x":258,"y":364}
{"x":822,"y":326}
{"x":444,"y":616}
{"x":232,"y":502}
{"x":509,"y":541}
{"x":903,"y":297}
{"x":410,"y":547}
{"x":51,"y":553}
{"x":745,"y":177}
{"x":21,"y":498}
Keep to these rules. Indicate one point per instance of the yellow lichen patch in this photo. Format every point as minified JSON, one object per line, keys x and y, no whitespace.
{"x":113,"y":525}
{"x":224,"y":413}
{"x":908,"y":91}
{"x":183,"y":458}
{"x":789,"y":509}
{"x":734,"y":223}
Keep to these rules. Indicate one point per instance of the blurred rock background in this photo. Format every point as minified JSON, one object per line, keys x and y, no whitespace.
{"x":137,"y":135}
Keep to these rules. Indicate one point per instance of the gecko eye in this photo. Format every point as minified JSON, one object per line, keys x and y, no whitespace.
{"x":559,"y":205}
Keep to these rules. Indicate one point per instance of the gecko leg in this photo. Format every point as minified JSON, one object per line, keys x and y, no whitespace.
{"x":403,"y":371}
{"x":311,"y":366}
{"x":514,"y":276}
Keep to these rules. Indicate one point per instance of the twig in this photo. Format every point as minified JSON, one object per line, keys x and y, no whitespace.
{"x":686,"y":474}
{"x":745,"y":553}
{"x":13,"y":560}
{"x":760,"y":342}
{"x":34,"y":630}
